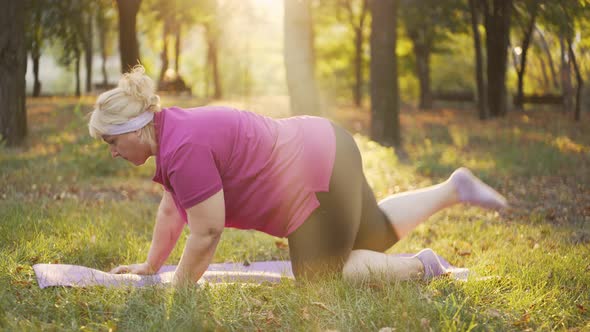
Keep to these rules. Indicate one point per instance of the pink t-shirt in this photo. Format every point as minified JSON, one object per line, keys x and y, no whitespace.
{"x":269,"y":169}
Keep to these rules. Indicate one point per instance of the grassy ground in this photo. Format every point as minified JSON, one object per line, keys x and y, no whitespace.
{"x":64,"y":200}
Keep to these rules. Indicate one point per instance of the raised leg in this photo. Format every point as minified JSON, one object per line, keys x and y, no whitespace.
{"x":409,"y":209}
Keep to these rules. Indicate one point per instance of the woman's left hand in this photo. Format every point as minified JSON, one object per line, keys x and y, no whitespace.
{"x":142,"y":268}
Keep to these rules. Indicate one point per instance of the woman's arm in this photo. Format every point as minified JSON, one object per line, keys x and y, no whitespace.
{"x":169,"y":225}
{"x":206,"y":221}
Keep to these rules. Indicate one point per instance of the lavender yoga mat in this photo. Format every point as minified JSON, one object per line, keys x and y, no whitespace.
{"x":257,"y":272}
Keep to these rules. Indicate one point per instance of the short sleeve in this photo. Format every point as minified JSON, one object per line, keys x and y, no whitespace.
{"x":193,"y":174}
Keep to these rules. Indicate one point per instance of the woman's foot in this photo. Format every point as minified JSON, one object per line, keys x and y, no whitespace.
{"x":472,"y":190}
{"x":432,"y":265}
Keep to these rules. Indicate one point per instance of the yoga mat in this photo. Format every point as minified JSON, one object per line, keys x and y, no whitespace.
{"x":257,"y":272}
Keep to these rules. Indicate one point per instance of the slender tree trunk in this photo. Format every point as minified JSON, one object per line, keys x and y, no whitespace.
{"x":36,"y":49}
{"x":482,"y":102}
{"x":422,"y":53}
{"x":579,"y":81}
{"x":177,"y":49}
{"x":497,"y":21}
{"x":77,"y":69}
{"x":213,"y":61}
{"x":13,"y":62}
{"x":102,"y":41}
{"x":300,"y":58}
{"x":128,"y":45}
{"x":521,"y":68}
{"x":547,"y":51}
{"x":103,"y":66}
{"x":358,"y":26}
{"x":358,"y":66}
{"x":88,"y":53}
{"x":207,"y":76}
{"x":164,"y":54}
{"x":566,"y":79}
{"x":36,"y":56}
{"x":385,"y":125}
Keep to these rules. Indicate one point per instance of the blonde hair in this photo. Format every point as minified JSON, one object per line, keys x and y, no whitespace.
{"x":134,"y":95}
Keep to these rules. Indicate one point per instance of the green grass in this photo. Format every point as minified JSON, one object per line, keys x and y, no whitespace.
{"x":64,"y":200}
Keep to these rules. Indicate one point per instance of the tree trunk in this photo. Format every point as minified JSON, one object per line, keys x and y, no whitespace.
{"x":520,"y":70}
{"x":213,"y":62}
{"x":128,"y":45}
{"x":88,"y":53}
{"x":164,"y":54}
{"x":102,"y":40}
{"x":385,"y":125}
{"x":299,"y":58}
{"x":422,"y":51}
{"x":566,"y":79}
{"x":497,"y":21}
{"x":177,"y":49}
{"x":579,"y":81}
{"x":77,"y":69}
{"x":13,"y":59}
{"x":358,"y":66}
{"x":358,"y":25}
{"x":36,"y":49}
{"x":482,"y":102}
{"x":36,"y":56}
{"x":547,"y":51}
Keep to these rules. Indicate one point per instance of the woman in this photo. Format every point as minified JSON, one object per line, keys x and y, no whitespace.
{"x":299,"y":178}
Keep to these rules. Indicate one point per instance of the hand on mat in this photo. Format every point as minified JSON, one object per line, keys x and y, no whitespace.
{"x":142,"y":268}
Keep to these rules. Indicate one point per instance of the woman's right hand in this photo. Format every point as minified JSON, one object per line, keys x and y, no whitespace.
{"x":142,"y":268}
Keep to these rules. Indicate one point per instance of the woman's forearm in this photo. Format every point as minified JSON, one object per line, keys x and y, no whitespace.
{"x":196,"y":257}
{"x":166,"y":233}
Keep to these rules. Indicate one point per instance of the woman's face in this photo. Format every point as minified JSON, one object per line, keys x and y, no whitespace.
{"x":129,"y":147}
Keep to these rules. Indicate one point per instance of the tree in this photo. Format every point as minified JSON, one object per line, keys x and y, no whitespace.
{"x":212,"y":39}
{"x":35,"y":34}
{"x":427,"y":24}
{"x":385,"y":124}
{"x":300,"y":57}
{"x":13,"y":116}
{"x":561,"y":17}
{"x":497,"y":22}
{"x":104,"y":24}
{"x":482,"y":103}
{"x":356,"y":16}
{"x":528,"y":8}
{"x":87,"y":37}
{"x":70,"y":30}
{"x":128,"y":45}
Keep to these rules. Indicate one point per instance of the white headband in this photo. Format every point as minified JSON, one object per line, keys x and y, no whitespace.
{"x":132,"y":124}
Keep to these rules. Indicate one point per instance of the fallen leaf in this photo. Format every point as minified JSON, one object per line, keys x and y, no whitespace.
{"x":387,"y":329}
{"x":524,"y":320}
{"x":270,"y":317}
{"x":323,"y":306}
{"x":581,"y":308}
{"x":305,"y":313}
{"x":464,"y":252}
{"x":493,"y":313}
{"x":281,"y":245}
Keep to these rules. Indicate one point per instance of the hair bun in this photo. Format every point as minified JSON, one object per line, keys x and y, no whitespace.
{"x":138,"y":85}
